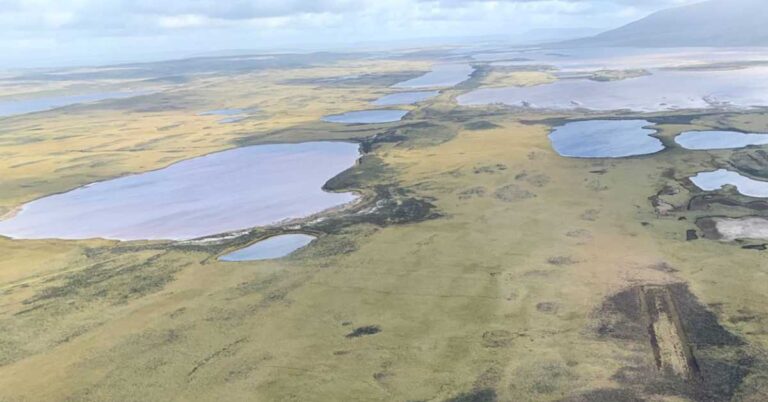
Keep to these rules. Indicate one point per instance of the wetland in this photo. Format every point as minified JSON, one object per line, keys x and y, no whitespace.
{"x":485,"y":252}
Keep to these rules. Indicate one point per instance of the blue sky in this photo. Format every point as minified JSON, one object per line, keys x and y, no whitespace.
{"x":39,"y":33}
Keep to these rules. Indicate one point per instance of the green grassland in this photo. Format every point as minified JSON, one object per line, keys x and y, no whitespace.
{"x":492,"y":271}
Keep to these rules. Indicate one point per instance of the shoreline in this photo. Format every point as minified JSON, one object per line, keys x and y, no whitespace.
{"x":11,"y":213}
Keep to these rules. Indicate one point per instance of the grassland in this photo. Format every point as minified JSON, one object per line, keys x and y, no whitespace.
{"x":499,"y":78}
{"x":512,"y":290}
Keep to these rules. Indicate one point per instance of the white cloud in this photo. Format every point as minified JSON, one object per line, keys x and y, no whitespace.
{"x":159,"y":25}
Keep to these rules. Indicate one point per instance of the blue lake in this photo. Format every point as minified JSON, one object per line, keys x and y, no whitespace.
{"x":704,"y":140}
{"x":663,"y":90}
{"x":711,"y":181}
{"x":222,"y":112}
{"x":221,"y":192}
{"x":24,"y":106}
{"x":367,"y":117}
{"x":271,"y":248}
{"x":441,"y":76}
{"x":605,"y":139}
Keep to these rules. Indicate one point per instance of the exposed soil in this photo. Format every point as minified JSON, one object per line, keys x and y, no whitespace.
{"x":692,"y":355}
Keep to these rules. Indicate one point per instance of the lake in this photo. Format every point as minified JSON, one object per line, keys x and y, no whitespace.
{"x":620,"y":58}
{"x":405,"y":98}
{"x":706,"y":140}
{"x":271,"y":248}
{"x":24,"y":106}
{"x":663,"y":90}
{"x":605,"y":139}
{"x":217,"y":193}
{"x":367,"y":117}
{"x":441,"y":76}
{"x":711,"y":181}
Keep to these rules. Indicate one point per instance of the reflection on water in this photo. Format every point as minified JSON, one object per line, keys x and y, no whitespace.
{"x":222,"y":112}
{"x":274,"y":247}
{"x":367,"y":117}
{"x":217,"y":193}
{"x":618,"y":58}
{"x":663,"y":90}
{"x":605,"y":139}
{"x":711,"y":181}
{"x":704,"y":140}
{"x":23,"y":106}
{"x":441,"y":76}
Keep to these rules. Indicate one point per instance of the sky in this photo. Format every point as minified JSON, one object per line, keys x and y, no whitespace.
{"x":47,"y":33}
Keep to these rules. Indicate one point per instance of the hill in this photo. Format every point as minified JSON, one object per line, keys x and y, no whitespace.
{"x":710,"y":23}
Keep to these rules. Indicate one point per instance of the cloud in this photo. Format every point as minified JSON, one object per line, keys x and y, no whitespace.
{"x":111,"y":15}
{"x":32,"y":27}
{"x":239,"y":9}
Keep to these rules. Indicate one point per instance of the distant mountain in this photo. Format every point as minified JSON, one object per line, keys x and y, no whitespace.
{"x":710,"y":23}
{"x":545,"y":35}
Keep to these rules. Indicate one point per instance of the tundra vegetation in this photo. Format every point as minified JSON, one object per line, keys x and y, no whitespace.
{"x":478,"y":264}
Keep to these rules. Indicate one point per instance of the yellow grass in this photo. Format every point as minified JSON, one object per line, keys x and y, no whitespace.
{"x":498,"y":293}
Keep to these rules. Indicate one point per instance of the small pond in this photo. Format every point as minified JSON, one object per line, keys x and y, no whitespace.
{"x":708,"y":140}
{"x":271,"y":248}
{"x":605,"y":139}
{"x":711,"y":181}
{"x":24,"y":106}
{"x":367,"y":117}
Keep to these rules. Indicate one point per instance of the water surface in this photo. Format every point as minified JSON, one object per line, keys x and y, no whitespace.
{"x":222,"y":112}
{"x":231,"y":119}
{"x":222,"y":192}
{"x":663,"y":90}
{"x":441,"y":76}
{"x":711,"y":181}
{"x":620,"y":58}
{"x":24,"y":106}
{"x":274,"y":247}
{"x":367,"y":117}
{"x":605,"y":139}
{"x":405,"y":98}
{"x":706,"y":140}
